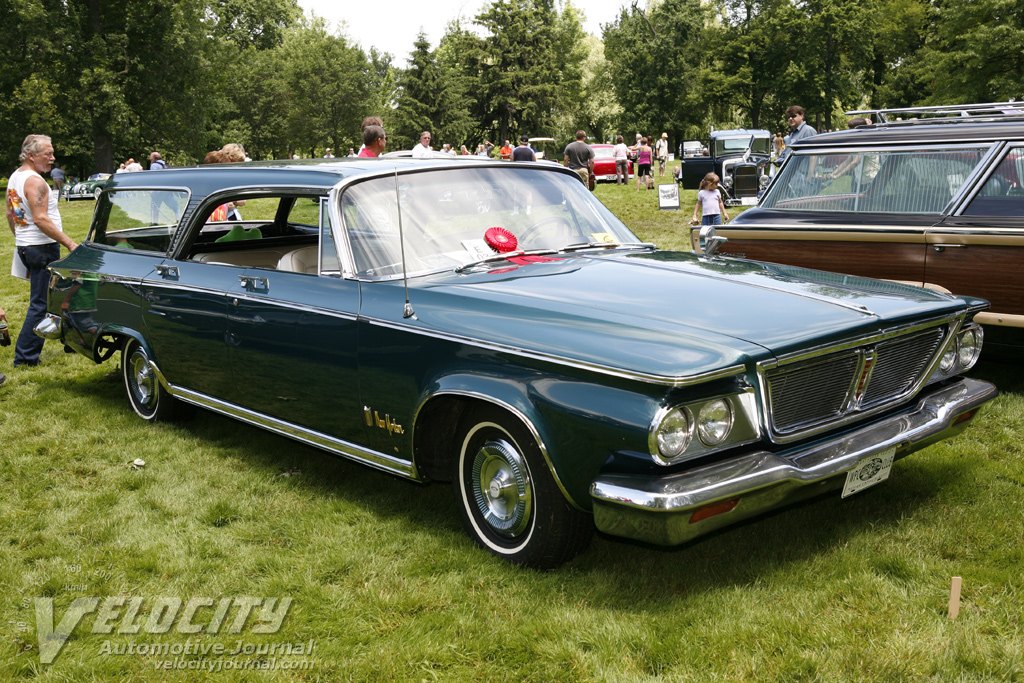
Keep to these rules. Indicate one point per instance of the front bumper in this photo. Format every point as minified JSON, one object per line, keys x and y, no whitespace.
{"x":658,"y":509}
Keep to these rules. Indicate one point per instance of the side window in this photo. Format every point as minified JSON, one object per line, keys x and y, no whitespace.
{"x":144,"y":220}
{"x":916,"y":182}
{"x":1002,"y":194}
{"x":328,"y":248}
{"x":269,"y":232}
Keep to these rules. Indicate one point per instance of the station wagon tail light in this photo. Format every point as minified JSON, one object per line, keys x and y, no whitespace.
{"x":714,"y":422}
{"x":674,"y":433}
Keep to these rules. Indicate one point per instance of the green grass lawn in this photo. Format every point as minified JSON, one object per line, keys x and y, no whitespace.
{"x":387,"y":586}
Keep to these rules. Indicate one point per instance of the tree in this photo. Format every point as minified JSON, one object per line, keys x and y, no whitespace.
{"x":528,"y":65}
{"x":755,"y":46}
{"x":975,"y":53}
{"x":328,"y":87}
{"x":658,"y":65}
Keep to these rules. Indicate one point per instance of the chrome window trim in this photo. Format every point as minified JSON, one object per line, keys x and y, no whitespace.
{"x":953,"y":325}
{"x":677,"y":381}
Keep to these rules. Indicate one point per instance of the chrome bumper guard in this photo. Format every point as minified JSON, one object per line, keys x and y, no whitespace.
{"x":658,"y":509}
{"x":49,"y":327}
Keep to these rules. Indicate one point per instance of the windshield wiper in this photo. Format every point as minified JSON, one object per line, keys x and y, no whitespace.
{"x":502,"y":257}
{"x":607,"y":245}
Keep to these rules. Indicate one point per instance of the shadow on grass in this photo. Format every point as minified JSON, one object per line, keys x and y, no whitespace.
{"x":614,"y":573}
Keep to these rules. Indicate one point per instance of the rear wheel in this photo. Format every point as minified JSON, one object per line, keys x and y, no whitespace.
{"x":508,"y":500}
{"x":148,"y":398}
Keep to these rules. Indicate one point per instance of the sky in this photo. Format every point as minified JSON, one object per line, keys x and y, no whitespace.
{"x":392,"y":25}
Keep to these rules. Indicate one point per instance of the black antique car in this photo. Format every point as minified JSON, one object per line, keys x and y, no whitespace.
{"x":493,"y":325}
{"x":937,"y":201}
{"x":739,"y":157}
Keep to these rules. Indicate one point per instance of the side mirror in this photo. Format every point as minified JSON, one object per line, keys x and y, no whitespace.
{"x":710,"y":242}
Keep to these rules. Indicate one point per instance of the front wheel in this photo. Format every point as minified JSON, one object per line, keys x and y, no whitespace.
{"x":147,"y":397}
{"x":508,"y":500}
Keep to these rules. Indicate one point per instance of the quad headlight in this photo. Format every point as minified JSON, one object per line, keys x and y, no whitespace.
{"x":968,"y":347}
{"x":962,"y":353}
{"x":714,"y":422}
{"x":674,"y":433}
{"x":685,"y":431}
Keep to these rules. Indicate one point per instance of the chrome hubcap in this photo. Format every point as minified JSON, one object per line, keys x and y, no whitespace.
{"x":501,"y":487}
{"x":143,"y":379}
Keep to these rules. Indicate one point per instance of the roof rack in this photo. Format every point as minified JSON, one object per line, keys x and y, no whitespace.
{"x":951,"y":113}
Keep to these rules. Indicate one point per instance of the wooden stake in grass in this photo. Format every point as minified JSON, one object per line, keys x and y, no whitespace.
{"x":954,"y":597}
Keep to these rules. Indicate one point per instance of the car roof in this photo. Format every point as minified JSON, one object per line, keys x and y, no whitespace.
{"x":740,"y":132}
{"x":919,"y":132}
{"x":317,"y":174}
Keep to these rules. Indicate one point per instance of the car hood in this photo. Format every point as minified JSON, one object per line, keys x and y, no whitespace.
{"x":663,"y":314}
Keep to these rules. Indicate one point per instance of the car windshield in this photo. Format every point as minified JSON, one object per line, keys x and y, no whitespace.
{"x":454,"y":217}
{"x":603,"y":152}
{"x":911,"y":182}
{"x":738,"y":145}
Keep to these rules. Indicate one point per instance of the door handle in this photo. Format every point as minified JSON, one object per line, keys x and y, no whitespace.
{"x":167,"y":271}
{"x":943,"y":247}
{"x":252,"y":282}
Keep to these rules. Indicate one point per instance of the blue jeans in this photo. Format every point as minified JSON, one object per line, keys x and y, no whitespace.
{"x":36,"y":259}
{"x":711,"y":219}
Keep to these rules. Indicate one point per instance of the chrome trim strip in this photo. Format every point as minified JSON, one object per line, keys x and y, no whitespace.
{"x":245,"y":295}
{"x":677,"y":381}
{"x":658,"y":509}
{"x":515,"y":411}
{"x":953,"y":325}
{"x":375,"y":459}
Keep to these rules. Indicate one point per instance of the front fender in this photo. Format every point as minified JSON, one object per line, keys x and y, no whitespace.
{"x":578,"y":425}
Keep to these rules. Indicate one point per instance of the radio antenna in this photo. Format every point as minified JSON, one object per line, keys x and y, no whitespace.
{"x":407,"y":312}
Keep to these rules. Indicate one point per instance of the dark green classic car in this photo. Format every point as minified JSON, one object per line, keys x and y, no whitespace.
{"x":494,"y":326}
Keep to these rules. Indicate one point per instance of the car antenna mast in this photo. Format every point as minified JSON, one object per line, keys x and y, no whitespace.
{"x":407,"y":312}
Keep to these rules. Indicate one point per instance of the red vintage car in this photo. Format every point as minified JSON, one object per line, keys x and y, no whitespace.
{"x":604,"y":162}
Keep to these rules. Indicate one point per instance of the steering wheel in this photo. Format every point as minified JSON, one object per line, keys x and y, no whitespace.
{"x":546,"y":223}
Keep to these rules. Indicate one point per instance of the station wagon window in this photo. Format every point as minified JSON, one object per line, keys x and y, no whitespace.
{"x":1003,"y":192}
{"x":143,"y":220}
{"x":914,"y":182}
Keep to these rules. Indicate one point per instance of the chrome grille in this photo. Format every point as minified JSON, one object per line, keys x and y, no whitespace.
{"x":811,"y":393}
{"x":900,"y":364}
{"x":816,"y":393}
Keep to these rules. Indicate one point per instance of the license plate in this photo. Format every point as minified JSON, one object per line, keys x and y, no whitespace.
{"x":748,"y":201}
{"x":869,"y":471}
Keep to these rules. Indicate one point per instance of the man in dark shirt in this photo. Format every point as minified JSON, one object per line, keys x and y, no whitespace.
{"x":580,"y":157}
{"x":524,"y":152}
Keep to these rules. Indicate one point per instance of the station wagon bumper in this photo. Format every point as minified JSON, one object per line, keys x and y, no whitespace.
{"x":661,"y":510}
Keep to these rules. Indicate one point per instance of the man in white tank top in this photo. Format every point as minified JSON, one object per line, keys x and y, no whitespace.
{"x":35,"y":221}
